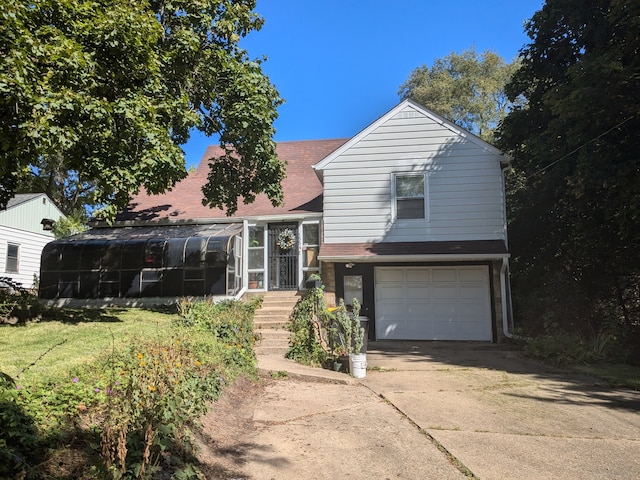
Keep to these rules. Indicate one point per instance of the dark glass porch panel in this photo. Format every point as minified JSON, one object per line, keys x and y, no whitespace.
{"x":133,"y":262}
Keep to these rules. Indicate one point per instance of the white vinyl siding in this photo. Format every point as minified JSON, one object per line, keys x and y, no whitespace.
{"x":464,"y":187}
{"x":28,"y":215}
{"x":30,"y":249}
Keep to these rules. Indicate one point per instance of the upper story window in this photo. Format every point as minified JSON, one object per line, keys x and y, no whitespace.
{"x":409,"y":196}
{"x":12,"y":258}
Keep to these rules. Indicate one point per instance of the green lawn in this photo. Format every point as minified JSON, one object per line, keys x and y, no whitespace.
{"x":85,"y":333}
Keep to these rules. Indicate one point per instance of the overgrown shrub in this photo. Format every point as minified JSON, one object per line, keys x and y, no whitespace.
{"x":17,"y":304}
{"x":134,"y":410}
{"x":230,"y":322}
{"x":562,"y":348}
{"x":157,"y":393}
{"x":304,"y":344}
{"x":319,"y":335}
{"x":18,"y":434}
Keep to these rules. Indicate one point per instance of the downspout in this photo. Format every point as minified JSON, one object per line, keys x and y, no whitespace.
{"x":506,"y":307}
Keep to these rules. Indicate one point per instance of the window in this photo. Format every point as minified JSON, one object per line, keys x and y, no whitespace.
{"x":409,"y":192}
{"x":12,"y":258}
{"x":256,"y":255}
{"x":310,"y":248}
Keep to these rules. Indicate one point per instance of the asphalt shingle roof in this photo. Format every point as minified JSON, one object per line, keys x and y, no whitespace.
{"x":302,"y":188}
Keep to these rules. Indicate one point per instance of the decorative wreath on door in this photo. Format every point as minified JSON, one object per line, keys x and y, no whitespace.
{"x":286,"y":239}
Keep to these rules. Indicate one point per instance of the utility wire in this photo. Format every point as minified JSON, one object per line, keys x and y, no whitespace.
{"x":578,"y":148}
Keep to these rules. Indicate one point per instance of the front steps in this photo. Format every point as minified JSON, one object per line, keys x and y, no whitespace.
{"x":270,"y":321}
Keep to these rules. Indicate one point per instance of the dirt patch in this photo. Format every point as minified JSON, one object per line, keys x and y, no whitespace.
{"x":228,"y":429}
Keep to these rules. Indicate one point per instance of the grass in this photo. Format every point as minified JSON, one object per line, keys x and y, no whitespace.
{"x":614,"y":374}
{"x":72,"y":338}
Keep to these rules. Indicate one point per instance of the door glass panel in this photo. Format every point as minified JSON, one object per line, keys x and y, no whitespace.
{"x":352,"y":288}
{"x":311,"y":234}
{"x":310,"y":257}
{"x":256,"y":258}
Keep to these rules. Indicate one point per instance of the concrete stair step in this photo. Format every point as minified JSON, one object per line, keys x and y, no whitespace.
{"x":274,"y":325}
{"x":281,"y":351}
{"x":274,"y":311}
{"x":273,"y":342}
{"x":272,"y":332}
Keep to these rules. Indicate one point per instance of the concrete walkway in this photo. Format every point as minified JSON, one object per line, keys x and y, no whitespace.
{"x":483,"y":411}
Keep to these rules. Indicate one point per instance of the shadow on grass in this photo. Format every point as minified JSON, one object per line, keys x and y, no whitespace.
{"x":81,"y":315}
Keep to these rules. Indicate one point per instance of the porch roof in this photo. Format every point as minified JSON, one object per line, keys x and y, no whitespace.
{"x":410,"y":251}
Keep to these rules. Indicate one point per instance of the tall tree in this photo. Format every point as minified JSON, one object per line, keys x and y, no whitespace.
{"x":465,"y":88}
{"x":574,"y":228}
{"x":97,"y":96}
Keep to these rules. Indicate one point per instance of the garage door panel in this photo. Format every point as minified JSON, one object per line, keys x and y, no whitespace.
{"x":473,"y":292}
{"x":433,"y":303}
{"x":418,"y":292}
{"x":418,"y":275}
{"x":389,"y":275}
{"x":390,"y":292}
{"x":444,"y":292}
{"x":472,"y":275}
{"x":444,"y":275}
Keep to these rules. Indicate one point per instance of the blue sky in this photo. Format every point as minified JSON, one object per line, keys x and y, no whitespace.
{"x":339,"y":63}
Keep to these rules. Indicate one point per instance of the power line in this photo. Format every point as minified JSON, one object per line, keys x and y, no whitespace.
{"x":583,"y":145}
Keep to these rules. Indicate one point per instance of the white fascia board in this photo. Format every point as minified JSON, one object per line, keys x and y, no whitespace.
{"x":413,"y":258}
{"x":285,"y":217}
{"x":428,"y":113}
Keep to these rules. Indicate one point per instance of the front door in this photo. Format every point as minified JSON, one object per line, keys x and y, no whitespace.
{"x":283,"y":256}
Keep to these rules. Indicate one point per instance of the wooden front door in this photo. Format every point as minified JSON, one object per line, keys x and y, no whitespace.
{"x":283,"y":256}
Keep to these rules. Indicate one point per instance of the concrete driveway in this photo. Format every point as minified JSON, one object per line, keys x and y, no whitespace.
{"x":504,"y":417}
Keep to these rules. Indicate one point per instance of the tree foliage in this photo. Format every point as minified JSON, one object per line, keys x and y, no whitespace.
{"x":465,"y":88}
{"x":574,"y":145}
{"x":97,"y":96}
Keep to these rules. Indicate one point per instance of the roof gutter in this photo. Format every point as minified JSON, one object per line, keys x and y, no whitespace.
{"x":414,"y":258}
{"x":163,"y":222}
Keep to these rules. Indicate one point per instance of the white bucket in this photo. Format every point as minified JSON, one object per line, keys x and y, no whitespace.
{"x":358,"y":365}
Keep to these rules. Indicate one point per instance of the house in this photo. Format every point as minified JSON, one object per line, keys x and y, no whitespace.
{"x":408,"y":217}
{"x":25,"y":228}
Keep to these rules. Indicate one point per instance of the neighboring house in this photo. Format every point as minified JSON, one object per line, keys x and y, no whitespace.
{"x":25,"y":228}
{"x":408,"y":217}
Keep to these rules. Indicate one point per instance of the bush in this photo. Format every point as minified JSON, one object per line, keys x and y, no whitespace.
{"x":17,"y":304}
{"x":562,"y":348}
{"x":157,"y":393}
{"x":18,"y":434}
{"x":230,"y":322}
{"x":134,"y":411}
{"x":304,"y":342}
{"x":557,"y":349}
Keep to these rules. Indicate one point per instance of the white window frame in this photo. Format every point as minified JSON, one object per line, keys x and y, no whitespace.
{"x":17,"y":258}
{"x":258,"y":273}
{"x":394,"y":197}
{"x":303,"y":247}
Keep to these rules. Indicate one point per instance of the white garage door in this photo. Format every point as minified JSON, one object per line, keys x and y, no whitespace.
{"x":433,"y":303}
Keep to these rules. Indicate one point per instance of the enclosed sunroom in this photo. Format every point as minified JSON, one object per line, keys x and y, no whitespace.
{"x":142,"y":262}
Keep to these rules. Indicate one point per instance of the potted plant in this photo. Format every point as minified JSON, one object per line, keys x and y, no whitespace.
{"x":314,"y":281}
{"x":350,"y":335}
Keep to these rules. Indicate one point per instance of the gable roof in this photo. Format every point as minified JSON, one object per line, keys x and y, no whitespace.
{"x":301,"y":187}
{"x":409,"y":106}
{"x":21,"y":198}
